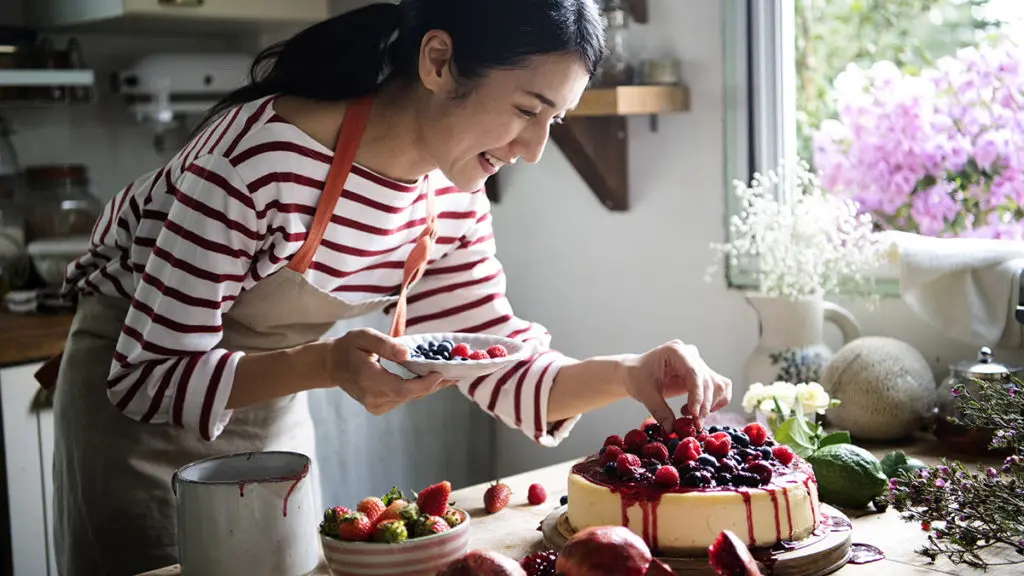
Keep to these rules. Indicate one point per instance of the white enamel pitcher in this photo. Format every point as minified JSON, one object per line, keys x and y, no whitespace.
{"x":249,"y":513}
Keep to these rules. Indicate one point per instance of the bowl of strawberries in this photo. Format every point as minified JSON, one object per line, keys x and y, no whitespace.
{"x":391,"y":534}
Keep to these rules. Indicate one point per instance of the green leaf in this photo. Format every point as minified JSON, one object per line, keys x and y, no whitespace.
{"x":795,"y":434}
{"x":840,"y":437}
{"x":892,"y":462}
{"x":391,"y":496}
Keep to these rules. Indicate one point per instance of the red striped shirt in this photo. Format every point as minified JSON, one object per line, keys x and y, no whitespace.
{"x":233,"y":207}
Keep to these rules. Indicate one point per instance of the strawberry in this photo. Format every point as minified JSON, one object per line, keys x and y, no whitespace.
{"x":497,"y":351}
{"x":496,"y":497}
{"x":354,"y":527}
{"x":392,"y":512}
{"x":334,"y":514}
{"x":373,"y":507}
{"x":757,"y":433}
{"x":656,"y":451}
{"x":635,"y":441}
{"x":685,"y":427}
{"x":433,"y":500}
{"x":611,"y":454}
{"x":625,"y":464}
{"x":614,"y":440}
{"x":453,"y":518}
{"x":687,"y":451}
{"x":667,"y":476}
{"x":392,"y":531}
{"x":718,"y":444}
{"x":478,"y":355}
{"x":536,"y":494}
{"x":431,"y":525}
{"x":460,"y":351}
{"x":783,"y":454}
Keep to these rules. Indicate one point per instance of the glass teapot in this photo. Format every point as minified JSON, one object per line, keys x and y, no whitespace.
{"x":985,"y":369}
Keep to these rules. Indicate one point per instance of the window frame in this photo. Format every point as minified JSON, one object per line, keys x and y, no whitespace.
{"x":760,"y":109}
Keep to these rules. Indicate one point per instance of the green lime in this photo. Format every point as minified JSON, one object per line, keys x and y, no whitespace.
{"x":848,"y":475}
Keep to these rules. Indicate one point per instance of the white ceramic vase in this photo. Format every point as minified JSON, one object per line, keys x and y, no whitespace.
{"x":792,"y":345}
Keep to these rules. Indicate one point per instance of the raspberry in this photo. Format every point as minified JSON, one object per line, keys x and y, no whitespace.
{"x":656,"y":451}
{"x":667,"y":476}
{"x":611,"y":454}
{"x":684,"y":427}
{"x":635,"y":441}
{"x":536,"y":494}
{"x":540,"y":564}
{"x":783,"y":454}
{"x":687,"y":451}
{"x":497,"y":351}
{"x":614,"y":440}
{"x":478,"y":355}
{"x":625,"y":464}
{"x":647,"y":421}
{"x":718,"y":444}
{"x":460,"y":351}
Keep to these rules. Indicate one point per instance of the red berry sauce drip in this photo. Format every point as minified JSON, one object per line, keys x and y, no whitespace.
{"x":750,"y":517}
{"x":789,"y":513}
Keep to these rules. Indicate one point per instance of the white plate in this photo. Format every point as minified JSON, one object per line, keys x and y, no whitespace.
{"x":459,"y":369}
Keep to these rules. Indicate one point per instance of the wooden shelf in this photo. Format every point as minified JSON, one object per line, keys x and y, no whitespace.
{"x":595,"y":138}
{"x":631,"y":100}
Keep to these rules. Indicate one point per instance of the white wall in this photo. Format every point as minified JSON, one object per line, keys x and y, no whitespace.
{"x":558,"y":245}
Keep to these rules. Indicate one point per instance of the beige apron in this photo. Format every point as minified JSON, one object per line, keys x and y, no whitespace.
{"x":113,"y":510}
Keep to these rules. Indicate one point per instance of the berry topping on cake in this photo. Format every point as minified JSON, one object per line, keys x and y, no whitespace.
{"x":687,"y":451}
{"x":614,"y":440}
{"x":685,"y":427}
{"x":783,"y":454}
{"x":757,"y":433}
{"x":656,"y":451}
{"x":667,"y":476}
{"x":626,"y":465}
{"x":635,"y":441}
{"x":611,"y":454}
{"x":718,"y":444}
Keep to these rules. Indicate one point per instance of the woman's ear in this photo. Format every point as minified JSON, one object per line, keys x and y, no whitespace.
{"x":435,"y":63}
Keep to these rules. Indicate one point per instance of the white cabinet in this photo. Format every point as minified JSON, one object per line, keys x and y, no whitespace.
{"x":174,"y":15}
{"x":28,"y":455}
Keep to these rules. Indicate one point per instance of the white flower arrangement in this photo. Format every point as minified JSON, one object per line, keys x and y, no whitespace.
{"x":782,"y":400}
{"x":805,"y":243}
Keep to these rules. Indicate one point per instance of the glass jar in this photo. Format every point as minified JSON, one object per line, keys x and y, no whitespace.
{"x":60,"y":202}
{"x":984,"y":369}
{"x":616,"y":68}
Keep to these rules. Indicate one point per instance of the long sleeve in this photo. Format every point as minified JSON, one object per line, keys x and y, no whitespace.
{"x":167,"y":367}
{"x":465,"y":292}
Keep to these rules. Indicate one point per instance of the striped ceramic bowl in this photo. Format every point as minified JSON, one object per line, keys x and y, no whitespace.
{"x":416,"y":557}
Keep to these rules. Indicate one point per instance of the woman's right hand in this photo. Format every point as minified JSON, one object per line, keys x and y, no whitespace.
{"x":352,"y":365}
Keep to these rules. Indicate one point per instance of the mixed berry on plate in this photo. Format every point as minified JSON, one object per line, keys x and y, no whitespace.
{"x":393,"y":518}
{"x":449,"y":351}
{"x":694,"y":457}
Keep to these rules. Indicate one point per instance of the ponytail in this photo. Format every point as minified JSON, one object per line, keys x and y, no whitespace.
{"x":340,"y":58}
{"x":351,"y":55}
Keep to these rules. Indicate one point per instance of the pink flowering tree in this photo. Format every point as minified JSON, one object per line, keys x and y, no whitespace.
{"x":940,"y":153}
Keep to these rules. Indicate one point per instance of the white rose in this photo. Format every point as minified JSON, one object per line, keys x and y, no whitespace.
{"x":812,"y":397}
{"x":768,"y":407}
{"x":753,"y":397}
{"x":785,"y":392}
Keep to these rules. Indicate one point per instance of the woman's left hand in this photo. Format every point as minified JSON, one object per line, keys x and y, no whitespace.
{"x":671,"y":370}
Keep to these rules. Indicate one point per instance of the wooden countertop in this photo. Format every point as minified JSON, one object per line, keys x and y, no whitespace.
{"x":513,"y":531}
{"x":26,"y":338}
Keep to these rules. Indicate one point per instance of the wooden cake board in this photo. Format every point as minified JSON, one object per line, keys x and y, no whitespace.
{"x":815,"y":556}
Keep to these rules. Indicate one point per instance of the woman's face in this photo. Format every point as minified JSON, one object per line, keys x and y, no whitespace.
{"x":505,"y":117}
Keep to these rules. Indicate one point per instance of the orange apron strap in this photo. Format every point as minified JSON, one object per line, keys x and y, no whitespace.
{"x":352,"y":128}
{"x":415,"y":264}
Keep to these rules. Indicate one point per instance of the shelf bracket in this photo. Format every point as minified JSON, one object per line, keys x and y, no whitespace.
{"x":598,"y":148}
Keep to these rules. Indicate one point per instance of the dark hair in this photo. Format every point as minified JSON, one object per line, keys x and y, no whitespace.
{"x":353,"y":54}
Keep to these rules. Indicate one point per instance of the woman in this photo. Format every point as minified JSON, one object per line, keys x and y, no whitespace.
{"x":346,"y":179}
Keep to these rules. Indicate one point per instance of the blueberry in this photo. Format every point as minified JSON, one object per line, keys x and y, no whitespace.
{"x":766,"y":453}
{"x":745,"y":453}
{"x":687,"y":467}
{"x":706,"y":478}
{"x":727,"y":467}
{"x":714,"y":429}
{"x":421,"y":348}
{"x":747,"y":479}
{"x":707,"y":460}
{"x":672,"y":445}
{"x":448,"y":343}
{"x":652,"y":430}
{"x":724,"y":479}
{"x":564,"y":499}
{"x":693,"y":480}
{"x":445,"y":347}
{"x":740,"y":439}
{"x":726,"y":428}
{"x":463,"y":359}
{"x":609,"y":468}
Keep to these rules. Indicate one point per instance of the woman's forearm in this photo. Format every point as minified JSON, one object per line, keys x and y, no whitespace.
{"x":268,"y":375}
{"x":587,"y":385}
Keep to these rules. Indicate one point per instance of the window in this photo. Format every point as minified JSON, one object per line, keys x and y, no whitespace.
{"x":931,"y":89}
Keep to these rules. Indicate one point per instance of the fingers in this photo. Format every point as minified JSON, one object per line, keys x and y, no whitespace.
{"x":657,"y":406}
{"x":687,"y":364}
{"x":723,"y":393}
{"x":374,"y":342}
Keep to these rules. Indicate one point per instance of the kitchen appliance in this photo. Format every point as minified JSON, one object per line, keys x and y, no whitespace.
{"x":167,"y":90}
{"x":250,"y":513}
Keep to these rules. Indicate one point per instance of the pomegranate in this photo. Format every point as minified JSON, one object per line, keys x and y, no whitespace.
{"x":729,"y":556}
{"x":483,"y":563}
{"x":604,"y":551}
{"x":659,"y":568}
